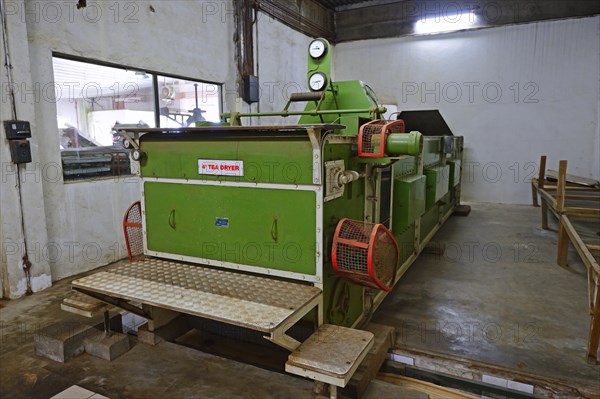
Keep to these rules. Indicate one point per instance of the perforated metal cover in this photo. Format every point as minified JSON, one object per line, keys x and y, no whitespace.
{"x":372,"y":136}
{"x":365,"y":253}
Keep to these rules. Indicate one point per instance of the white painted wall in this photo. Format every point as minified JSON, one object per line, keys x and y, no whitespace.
{"x":558,"y":60}
{"x":12,"y":243}
{"x":77,"y":226}
{"x":281,"y":65}
{"x":191,"y":39}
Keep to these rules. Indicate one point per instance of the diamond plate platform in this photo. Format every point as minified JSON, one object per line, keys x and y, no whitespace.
{"x":253,"y":302}
{"x":330,"y":355}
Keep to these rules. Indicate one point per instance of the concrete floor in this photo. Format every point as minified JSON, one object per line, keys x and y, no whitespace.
{"x":516,"y":309}
{"x":496,"y":296}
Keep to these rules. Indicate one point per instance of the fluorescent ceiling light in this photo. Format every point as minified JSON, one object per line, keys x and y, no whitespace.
{"x":446,"y":23}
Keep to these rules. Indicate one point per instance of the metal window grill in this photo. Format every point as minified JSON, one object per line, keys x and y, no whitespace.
{"x":132,"y":228}
{"x":365,"y":253}
{"x":371,"y":137}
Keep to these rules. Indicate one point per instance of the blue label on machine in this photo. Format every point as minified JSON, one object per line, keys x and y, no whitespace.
{"x":222,"y":222}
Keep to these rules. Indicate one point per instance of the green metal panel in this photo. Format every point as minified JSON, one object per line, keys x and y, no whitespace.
{"x":406,"y":241}
{"x":265,"y":160}
{"x":351,"y":205}
{"x":437,"y":183}
{"x":431,"y":150}
{"x":405,"y":166}
{"x":409,"y":200}
{"x":454,"y":172}
{"x":252,"y":226}
{"x":428,"y":221}
{"x":350,"y":94}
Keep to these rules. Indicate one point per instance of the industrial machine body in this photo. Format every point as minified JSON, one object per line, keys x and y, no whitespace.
{"x":271,"y":200}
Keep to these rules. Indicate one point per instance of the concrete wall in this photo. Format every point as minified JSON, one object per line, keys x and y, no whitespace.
{"x":77,"y":226}
{"x":548,"y":74}
{"x":12,"y":250}
{"x":281,"y":64}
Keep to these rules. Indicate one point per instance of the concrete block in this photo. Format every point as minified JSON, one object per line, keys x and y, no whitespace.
{"x":169,"y":332}
{"x":147,"y":337}
{"x":116,"y":323}
{"x":61,"y":341}
{"x":107,"y":348}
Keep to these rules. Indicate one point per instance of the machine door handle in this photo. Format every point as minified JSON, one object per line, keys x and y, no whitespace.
{"x":274,"y":232}
{"x":172,"y":222}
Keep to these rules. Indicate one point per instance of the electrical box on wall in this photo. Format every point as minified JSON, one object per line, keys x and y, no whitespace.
{"x":17,"y":130}
{"x":20,"y":151}
{"x":17,"y":133}
{"x":250,"y":89}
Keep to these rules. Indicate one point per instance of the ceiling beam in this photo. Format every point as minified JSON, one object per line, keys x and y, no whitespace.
{"x":307,"y":16}
{"x":398,"y":19}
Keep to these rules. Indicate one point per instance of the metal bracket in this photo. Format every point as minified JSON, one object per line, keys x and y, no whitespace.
{"x":332,"y":187}
{"x":132,"y":141}
{"x":279,"y":337}
{"x":315,"y":141}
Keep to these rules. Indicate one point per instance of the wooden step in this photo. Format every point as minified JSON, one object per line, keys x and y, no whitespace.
{"x":84,"y":305}
{"x":331,"y":355}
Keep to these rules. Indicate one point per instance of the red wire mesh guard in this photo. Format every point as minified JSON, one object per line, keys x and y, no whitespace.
{"x":365,"y":253}
{"x":371,"y":137}
{"x":132,"y":228}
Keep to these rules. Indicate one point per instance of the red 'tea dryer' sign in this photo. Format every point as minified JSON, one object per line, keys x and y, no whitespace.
{"x":220,"y":167}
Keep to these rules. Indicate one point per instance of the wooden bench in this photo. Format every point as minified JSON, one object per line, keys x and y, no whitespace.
{"x":258,"y":303}
{"x":331,"y":355}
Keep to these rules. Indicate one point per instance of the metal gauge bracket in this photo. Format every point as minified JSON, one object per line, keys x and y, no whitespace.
{"x":333,"y":188}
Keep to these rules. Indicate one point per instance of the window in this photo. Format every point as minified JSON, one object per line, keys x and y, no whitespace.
{"x":93,"y":101}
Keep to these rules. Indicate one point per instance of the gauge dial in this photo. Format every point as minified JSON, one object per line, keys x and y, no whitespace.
{"x":137,"y":155}
{"x":317,"y":81}
{"x":317,"y":48}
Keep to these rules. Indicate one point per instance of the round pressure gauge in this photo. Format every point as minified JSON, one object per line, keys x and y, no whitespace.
{"x":317,"y":48}
{"x":317,"y":81}
{"x":137,"y":155}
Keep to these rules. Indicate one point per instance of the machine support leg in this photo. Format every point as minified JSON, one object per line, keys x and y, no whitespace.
{"x":333,"y":392}
{"x":107,"y":331}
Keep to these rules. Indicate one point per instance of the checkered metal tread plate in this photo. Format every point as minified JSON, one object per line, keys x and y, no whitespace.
{"x":258,"y":303}
{"x":332,"y":350}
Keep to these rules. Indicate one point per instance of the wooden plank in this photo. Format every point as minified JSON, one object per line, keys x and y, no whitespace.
{"x":552,"y":187}
{"x":592,"y":212}
{"x":546,"y":196}
{"x":368,"y":369}
{"x":582,"y":197}
{"x":594,"y":340}
{"x":563,"y":246}
{"x":585,"y":255}
{"x":542,"y":172}
{"x":573,"y":179}
{"x":434,"y":391}
{"x":560,"y":190}
{"x":593,"y":248}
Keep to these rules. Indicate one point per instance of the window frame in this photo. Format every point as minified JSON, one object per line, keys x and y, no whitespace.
{"x":154,"y":74}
